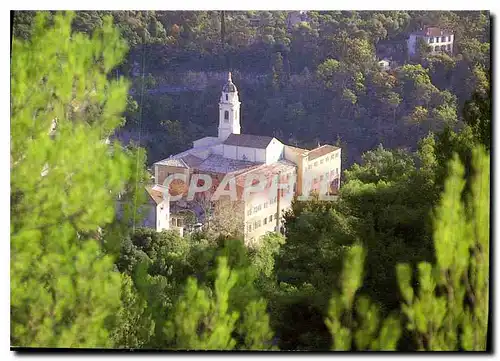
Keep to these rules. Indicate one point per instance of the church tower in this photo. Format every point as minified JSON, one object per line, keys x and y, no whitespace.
{"x":229,"y":110}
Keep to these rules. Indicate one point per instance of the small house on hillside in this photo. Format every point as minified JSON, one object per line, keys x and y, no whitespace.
{"x":385,"y":64}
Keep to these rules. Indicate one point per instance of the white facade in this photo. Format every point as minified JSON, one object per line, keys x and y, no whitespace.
{"x":384,"y":64}
{"x":441,"y":43}
{"x":207,"y":141}
{"x":229,"y":111}
{"x":323,"y":169}
{"x":264,"y":211}
{"x":438,"y":40}
{"x":274,"y":151}
{"x":163,"y":216}
{"x":244,"y":153}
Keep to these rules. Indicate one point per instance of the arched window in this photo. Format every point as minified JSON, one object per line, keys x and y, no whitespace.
{"x":226,"y":115}
{"x":226,"y":97}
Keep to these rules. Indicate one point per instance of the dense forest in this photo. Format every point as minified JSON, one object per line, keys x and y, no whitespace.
{"x":317,"y":81}
{"x":399,"y":262}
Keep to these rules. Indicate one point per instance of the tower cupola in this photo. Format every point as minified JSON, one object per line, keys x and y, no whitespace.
{"x":229,"y":110}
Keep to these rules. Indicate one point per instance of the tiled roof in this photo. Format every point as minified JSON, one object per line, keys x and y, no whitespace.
{"x":192,"y":161}
{"x":174,"y":162}
{"x":182,"y":155}
{"x":183,"y":160}
{"x":435,"y":31}
{"x":281,"y":166}
{"x":248,"y":140}
{"x":320,"y":151}
{"x":218,"y":164}
{"x":297,"y":150}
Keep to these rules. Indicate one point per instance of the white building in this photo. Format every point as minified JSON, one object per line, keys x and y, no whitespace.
{"x":439,"y":40}
{"x":384,"y":64}
{"x":244,"y":158}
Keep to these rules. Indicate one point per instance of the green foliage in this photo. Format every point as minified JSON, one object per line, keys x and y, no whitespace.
{"x":201,"y":321}
{"x":382,"y":165}
{"x":449,"y":311}
{"x":171,"y":46}
{"x":263,"y":257}
{"x":64,"y":185}
{"x":255,"y":327}
{"x":64,"y":218}
{"x":133,"y":324}
{"x":202,"y":318}
{"x":358,"y":322}
{"x":477,"y":114}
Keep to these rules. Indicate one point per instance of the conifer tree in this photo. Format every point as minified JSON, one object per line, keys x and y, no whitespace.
{"x":64,"y":182}
{"x":202,"y":318}
{"x":354,"y":321}
{"x":449,"y":309}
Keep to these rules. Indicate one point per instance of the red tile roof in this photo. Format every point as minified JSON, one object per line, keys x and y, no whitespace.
{"x":436,"y":31}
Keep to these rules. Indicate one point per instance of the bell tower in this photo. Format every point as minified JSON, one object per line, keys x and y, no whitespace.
{"x":229,"y":110}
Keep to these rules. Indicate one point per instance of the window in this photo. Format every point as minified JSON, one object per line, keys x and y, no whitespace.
{"x":255,"y":209}
{"x":436,"y":48}
{"x":315,"y":164}
{"x":249,"y":213}
{"x":437,"y":39}
{"x":226,"y":115}
{"x":448,"y":47}
{"x":321,"y":161}
{"x":226,"y":97}
{"x":443,"y":47}
{"x":270,"y":218}
{"x":250,"y":228}
{"x":266,"y":204}
{"x":259,"y":207}
{"x":309,"y":166}
{"x":265,"y":221}
{"x":443,"y":39}
{"x":431,"y":40}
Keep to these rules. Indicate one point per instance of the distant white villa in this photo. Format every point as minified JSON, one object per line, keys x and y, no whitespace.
{"x":439,"y":40}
